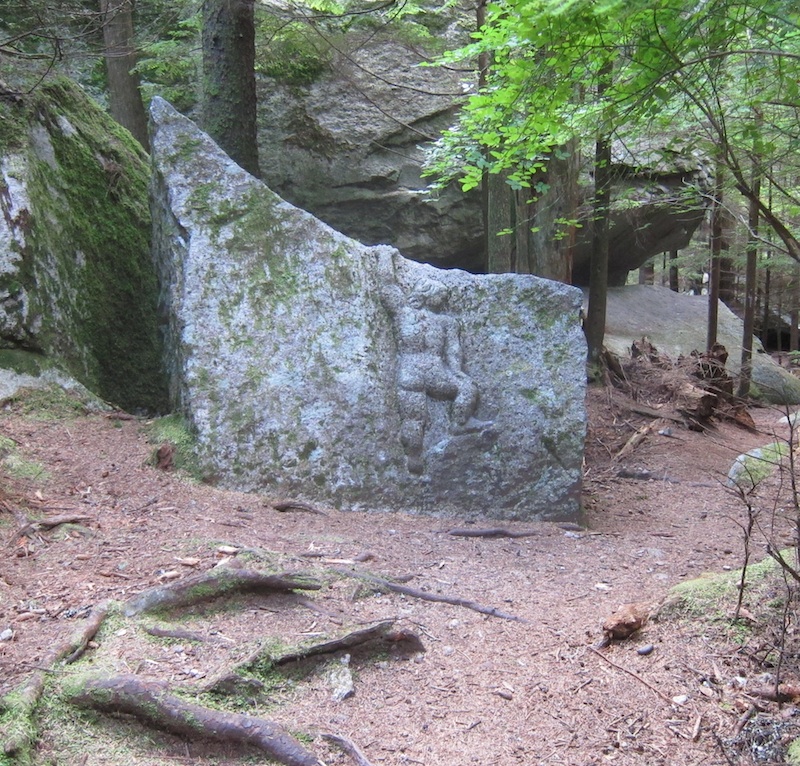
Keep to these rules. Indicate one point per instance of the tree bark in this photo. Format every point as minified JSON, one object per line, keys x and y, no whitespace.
{"x":716,"y":249}
{"x":673,"y":271}
{"x":750,"y":289}
{"x":124,"y":97}
{"x":500,"y":242}
{"x":153,"y":704}
{"x":595,"y":326}
{"x":229,"y":84}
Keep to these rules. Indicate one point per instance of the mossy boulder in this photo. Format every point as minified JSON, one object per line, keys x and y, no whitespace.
{"x":312,"y":366}
{"x":77,"y":284}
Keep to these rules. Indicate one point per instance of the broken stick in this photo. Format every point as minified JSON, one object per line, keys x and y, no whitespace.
{"x":425,"y":596}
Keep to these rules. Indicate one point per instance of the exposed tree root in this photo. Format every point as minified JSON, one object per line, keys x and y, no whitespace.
{"x":154,"y":705}
{"x":425,"y":596}
{"x":296,"y":505}
{"x":20,"y":733}
{"x":211,"y":585}
{"x":50,"y":522}
{"x":492,"y":532}
{"x":347,"y":747}
{"x":376,"y":638}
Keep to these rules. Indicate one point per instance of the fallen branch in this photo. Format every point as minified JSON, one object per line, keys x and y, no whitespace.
{"x":425,"y":596}
{"x":296,"y":505}
{"x":492,"y":532}
{"x":347,"y":747}
{"x":641,"y":434}
{"x":632,"y":675}
{"x":154,"y":705}
{"x":211,"y":585}
{"x":381,"y":633}
{"x":179,"y":633}
{"x":19,"y":736}
{"x":381,"y":636}
{"x":49,"y":523}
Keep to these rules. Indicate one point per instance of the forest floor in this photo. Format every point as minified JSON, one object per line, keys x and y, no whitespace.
{"x":691,"y":687}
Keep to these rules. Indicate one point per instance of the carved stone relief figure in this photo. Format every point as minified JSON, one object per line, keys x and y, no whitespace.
{"x":430,"y":361}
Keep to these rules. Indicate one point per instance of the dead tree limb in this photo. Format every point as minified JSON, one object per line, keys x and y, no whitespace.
{"x":492,"y":532}
{"x":50,"y":522}
{"x":296,"y":505}
{"x":348,"y":748}
{"x":19,"y":736}
{"x":425,"y":596}
{"x":632,"y":675}
{"x":153,"y":704}
{"x":211,"y":585}
{"x":378,"y":637}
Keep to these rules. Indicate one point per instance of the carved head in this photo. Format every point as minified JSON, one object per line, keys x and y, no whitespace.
{"x":428,"y":293}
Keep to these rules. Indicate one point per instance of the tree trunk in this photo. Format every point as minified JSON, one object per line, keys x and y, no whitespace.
{"x":750,"y":290}
{"x":595,"y":326}
{"x":124,"y":97}
{"x":716,"y":249}
{"x":500,"y":246}
{"x":229,"y":85}
{"x":673,"y":271}
{"x":549,"y":217}
{"x":647,"y":274}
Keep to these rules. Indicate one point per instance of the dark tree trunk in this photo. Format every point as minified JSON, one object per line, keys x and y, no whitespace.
{"x":229,"y":85}
{"x":647,"y":274}
{"x":548,"y":218}
{"x":716,"y":249}
{"x":595,"y":326}
{"x":750,"y":291}
{"x":124,"y":97}
{"x":673,"y":271}
{"x":500,"y":246}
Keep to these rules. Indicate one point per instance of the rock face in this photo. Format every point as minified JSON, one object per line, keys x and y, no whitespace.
{"x":676,"y":324}
{"x":350,"y":149}
{"x":77,"y":287}
{"x":314,"y":366}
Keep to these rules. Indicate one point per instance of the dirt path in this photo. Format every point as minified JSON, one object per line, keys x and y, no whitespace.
{"x":486,"y":691}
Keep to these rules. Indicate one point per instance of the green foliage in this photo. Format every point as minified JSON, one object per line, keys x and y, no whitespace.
{"x":724,"y":73}
{"x":169,"y":66}
{"x":289,"y":51}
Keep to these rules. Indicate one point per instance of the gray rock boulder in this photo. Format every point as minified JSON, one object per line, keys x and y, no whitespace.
{"x":314,"y":366}
{"x":350,"y":148}
{"x":676,"y":324}
{"x":77,"y":285}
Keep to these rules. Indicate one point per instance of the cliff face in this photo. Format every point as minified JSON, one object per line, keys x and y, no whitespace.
{"x":77,"y":286}
{"x":350,"y":148}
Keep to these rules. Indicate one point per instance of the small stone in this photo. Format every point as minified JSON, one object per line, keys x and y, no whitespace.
{"x":681,"y":699}
{"x":645,"y":650}
{"x":7,"y":635}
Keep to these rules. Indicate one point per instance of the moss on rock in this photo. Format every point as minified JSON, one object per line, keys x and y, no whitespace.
{"x":86,"y":264}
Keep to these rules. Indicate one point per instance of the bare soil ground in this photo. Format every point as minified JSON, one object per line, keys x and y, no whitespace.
{"x":486,"y":690}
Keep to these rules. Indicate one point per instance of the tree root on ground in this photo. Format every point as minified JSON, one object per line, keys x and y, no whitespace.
{"x":19,"y":734}
{"x":425,"y":596}
{"x":211,"y":585}
{"x":376,"y":638}
{"x":153,"y":704}
{"x":348,"y":747}
{"x":492,"y":532}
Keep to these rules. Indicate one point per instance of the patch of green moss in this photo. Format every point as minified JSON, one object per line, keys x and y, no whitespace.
{"x":292,"y":54}
{"x":23,"y":362}
{"x":178,"y":432}
{"x":48,"y":403}
{"x":90,"y":240}
{"x":793,"y":753}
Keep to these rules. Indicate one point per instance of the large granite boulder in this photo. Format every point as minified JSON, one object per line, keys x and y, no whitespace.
{"x":350,"y":147}
{"x":315,"y":366}
{"x":77,"y":286}
{"x":676,"y":324}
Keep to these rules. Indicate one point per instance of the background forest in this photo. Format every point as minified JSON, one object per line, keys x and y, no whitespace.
{"x":556,"y":93}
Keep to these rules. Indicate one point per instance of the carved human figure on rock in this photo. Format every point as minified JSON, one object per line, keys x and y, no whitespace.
{"x":430,"y":361}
